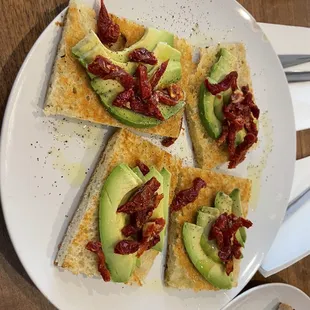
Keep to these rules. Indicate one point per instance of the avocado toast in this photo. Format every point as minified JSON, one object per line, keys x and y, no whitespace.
{"x":75,"y":92}
{"x":222,"y":125}
{"x":193,"y":260}
{"x":97,"y":218}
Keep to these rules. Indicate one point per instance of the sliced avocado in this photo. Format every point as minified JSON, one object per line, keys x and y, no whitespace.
{"x":164,"y":51}
{"x":138,"y":262}
{"x":206,"y":220}
{"x":138,"y":172}
{"x":172,"y":74}
{"x":224,"y":203}
{"x":210,"y":210}
{"x":240,"y":136}
{"x":206,"y":112}
{"x":109,"y":89}
{"x":168,"y":111}
{"x":166,"y":187}
{"x":111,"y":222}
{"x":149,"y":41}
{"x":88,"y":48}
{"x":191,"y":234}
{"x":159,"y":212}
{"x":210,"y":248}
{"x":227,"y":63}
{"x":210,"y":107}
{"x":237,"y":210}
{"x":218,"y":107}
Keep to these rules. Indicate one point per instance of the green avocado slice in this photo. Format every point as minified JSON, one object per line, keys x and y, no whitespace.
{"x":111,"y":222}
{"x":210,"y":210}
{"x":237,"y":210}
{"x":88,"y":48}
{"x":138,"y":172}
{"x":213,"y":272}
{"x":224,"y":203}
{"x":211,"y":107}
{"x":206,"y":221}
{"x":149,"y":41}
{"x":164,"y":51}
{"x":208,"y":118}
{"x":109,"y":89}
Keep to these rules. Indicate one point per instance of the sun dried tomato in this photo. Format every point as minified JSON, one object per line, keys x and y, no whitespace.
{"x":168,"y":141}
{"x":142,"y":55}
{"x":229,"y":266}
{"x":144,"y":85}
{"x":248,"y":100}
{"x":105,"y":69}
{"x":150,"y":234}
{"x":241,"y":150}
{"x":239,"y":114}
{"x":108,"y":31}
{"x":148,"y":108}
{"x":187,"y":196}
{"x":166,"y":99}
{"x":158,"y":74}
{"x":143,"y":167}
{"x":153,"y":110}
{"x":223,"y":231}
{"x":245,"y":89}
{"x":224,"y":134}
{"x":175,"y":92}
{"x":95,"y":247}
{"x":141,"y":198}
{"x":138,"y":219}
{"x":129,"y":230}
{"x":123,"y":99}
{"x":230,"y":81}
{"x":125,"y":247}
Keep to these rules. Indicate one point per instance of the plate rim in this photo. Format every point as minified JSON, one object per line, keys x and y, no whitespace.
{"x":260,"y":287}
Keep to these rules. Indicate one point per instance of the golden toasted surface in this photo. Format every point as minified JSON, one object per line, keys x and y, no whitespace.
{"x":123,"y":147}
{"x":207,"y":153}
{"x":70,"y":93}
{"x":180,"y":272}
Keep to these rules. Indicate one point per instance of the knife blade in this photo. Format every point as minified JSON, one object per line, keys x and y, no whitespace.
{"x":293,"y":60}
{"x":295,"y":76}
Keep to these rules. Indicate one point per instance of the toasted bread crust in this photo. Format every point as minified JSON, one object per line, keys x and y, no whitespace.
{"x":207,"y":153}
{"x":180,"y":272}
{"x":83,"y":228}
{"x":70,"y":93}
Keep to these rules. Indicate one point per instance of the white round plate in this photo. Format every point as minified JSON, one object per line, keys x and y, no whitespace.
{"x":47,"y":161}
{"x":268,"y":297}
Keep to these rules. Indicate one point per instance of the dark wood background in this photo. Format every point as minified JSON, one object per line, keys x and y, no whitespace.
{"x":21,"y":22}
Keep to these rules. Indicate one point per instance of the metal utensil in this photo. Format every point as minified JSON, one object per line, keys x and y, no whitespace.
{"x":295,"y":76}
{"x":293,"y":60}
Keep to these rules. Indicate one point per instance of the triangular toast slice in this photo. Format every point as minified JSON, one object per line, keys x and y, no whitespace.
{"x":180,"y":272}
{"x":69,"y":91}
{"x":207,"y":152}
{"x":121,"y":148}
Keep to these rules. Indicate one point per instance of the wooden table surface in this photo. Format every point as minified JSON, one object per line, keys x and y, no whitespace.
{"x":21,"y":23}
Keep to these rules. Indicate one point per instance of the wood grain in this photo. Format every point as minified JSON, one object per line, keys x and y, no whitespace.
{"x":21,"y":24}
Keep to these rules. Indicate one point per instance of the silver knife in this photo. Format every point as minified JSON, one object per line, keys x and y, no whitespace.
{"x":295,"y":76}
{"x":293,"y":60}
